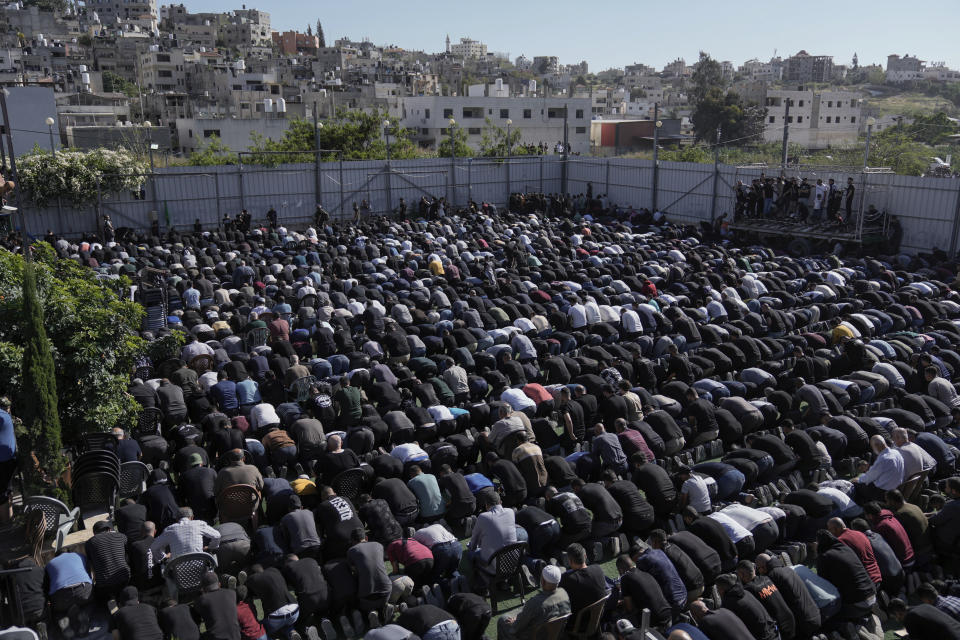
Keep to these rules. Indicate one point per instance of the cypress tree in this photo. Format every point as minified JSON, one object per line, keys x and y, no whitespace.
{"x":323,"y":41}
{"x":38,"y":401}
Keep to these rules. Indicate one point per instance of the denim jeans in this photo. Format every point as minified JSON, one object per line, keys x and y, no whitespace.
{"x":281,"y":623}
{"x":446,"y":558}
{"x":446,"y":630}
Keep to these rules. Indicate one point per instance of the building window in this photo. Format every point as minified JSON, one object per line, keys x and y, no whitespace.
{"x":444,"y":131}
{"x":829,"y":103}
{"x":209,"y":133}
{"x":789,"y":119}
{"x":474,"y":131}
{"x":426,"y":113}
{"x":504,"y":114}
{"x":556,"y":112}
{"x":772,"y":119}
{"x":853,"y":119}
{"x":799,"y":119}
{"x":473,"y":112}
{"x":581,"y":129}
{"x":801,"y":103}
{"x":447,"y":113}
{"x":527,"y":114}
{"x":828,"y":119}
{"x":424,"y":132}
{"x":579,"y":114}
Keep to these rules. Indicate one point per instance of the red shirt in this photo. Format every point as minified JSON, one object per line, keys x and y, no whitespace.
{"x":250,"y":629}
{"x":407,"y":553}
{"x":537,"y":393}
{"x":893,"y":532}
{"x":632,"y":440}
{"x":861,"y":546}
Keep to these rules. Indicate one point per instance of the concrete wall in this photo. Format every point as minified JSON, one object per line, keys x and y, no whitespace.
{"x":29,"y":108}
{"x":928,"y":208}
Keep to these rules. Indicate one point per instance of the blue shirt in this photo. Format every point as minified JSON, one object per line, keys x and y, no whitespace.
{"x":248,"y":392}
{"x":886,"y":472}
{"x":692,"y":631}
{"x":66,"y":570}
{"x":225,"y":394}
{"x":656,"y":563}
{"x":425,"y":487}
{"x":191,"y":298}
{"x":8,"y":441}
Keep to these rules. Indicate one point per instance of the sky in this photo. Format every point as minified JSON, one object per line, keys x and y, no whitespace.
{"x":620,"y":32}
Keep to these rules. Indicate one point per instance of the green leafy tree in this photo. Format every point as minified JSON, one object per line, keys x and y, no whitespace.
{"x":736,"y":121}
{"x":495,"y":142}
{"x":320,"y":36}
{"x":37,"y":400}
{"x":214,"y":152}
{"x":896,"y":149}
{"x":459,"y":145}
{"x":91,"y":329}
{"x":693,"y":153}
{"x":707,"y":76}
{"x":933,"y":129}
{"x":358,"y":134}
{"x":58,"y":6}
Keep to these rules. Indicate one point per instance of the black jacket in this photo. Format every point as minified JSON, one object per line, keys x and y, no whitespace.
{"x":806,"y":613}
{"x":764,"y":590}
{"x":749,"y":609}
{"x":839,"y":564}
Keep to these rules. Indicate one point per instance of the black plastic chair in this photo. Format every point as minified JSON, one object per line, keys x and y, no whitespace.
{"x":188,"y":570}
{"x":507,"y":563}
{"x":100,"y":441}
{"x":349,"y":483}
{"x":132,"y":477}
{"x":587,"y":623}
{"x":148,"y":422}
{"x":94,"y":490}
{"x":552,"y":629}
{"x":257,"y":338}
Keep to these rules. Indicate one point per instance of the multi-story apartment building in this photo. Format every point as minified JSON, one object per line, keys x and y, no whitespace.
{"x":817,"y":119}
{"x":905,"y":69}
{"x":468,"y":48}
{"x":537,"y":119}
{"x":803,"y":68}
{"x":162,"y":70}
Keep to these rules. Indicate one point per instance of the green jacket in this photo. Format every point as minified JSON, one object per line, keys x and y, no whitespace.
{"x":537,"y":611}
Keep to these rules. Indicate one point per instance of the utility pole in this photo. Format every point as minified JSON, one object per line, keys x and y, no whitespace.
{"x":656,"y":158}
{"x":786,"y":133}
{"x":316,"y":144}
{"x":566,"y":147}
{"x":716,"y":177}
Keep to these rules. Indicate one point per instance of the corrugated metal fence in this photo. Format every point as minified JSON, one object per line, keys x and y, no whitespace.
{"x":928,"y":208}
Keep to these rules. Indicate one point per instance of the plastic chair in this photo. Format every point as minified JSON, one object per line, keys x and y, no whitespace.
{"x":309,"y":300}
{"x":100,"y":441}
{"x":552,"y":628}
{"x":507,"y":562}
{"x":911,"y":486}
{"x":14,"y":633}
{"x":239,"y":503}
{"x":203,"y":363}
{"x":348,"y":483}
{"x":187,"y":571}
{"x":166,"y":368}
{"x":300,"y":389}
{"x":95,"y":490}
{"x":132,"y":477}
{"x":59,"y":519}
{"x":148,"y":423}
{"x":587,"y":622}
{"x":257,"y":338}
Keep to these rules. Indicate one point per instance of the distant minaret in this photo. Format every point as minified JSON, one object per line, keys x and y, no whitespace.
{"x":448,"y":43}
{"x":855,"y":60}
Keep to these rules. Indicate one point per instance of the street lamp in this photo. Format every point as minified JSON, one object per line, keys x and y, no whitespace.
{"x":453,"y":161}
{"x":656,"y":162}
{"x":386,"y":133}
{"x":866,"y":152}
{"x":50,"y":122}
{"x":509,"y":143}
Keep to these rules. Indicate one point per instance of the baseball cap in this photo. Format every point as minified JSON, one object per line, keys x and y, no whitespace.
{"x":624,"y":625}
{"x":195,"y":460}
{"x":551,"y":574}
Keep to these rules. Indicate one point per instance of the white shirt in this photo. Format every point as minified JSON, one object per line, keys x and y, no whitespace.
{"x":915,"y":459}
{"x":734,"y":530}
{"x":747,"y":517}
{"x":434,"y":534}
{"x":578,"y":316}
{"x":696,"y":488}
{"x":408,"y":451}
{"x":630,"y":321}
{"x":207,"y":380}
{"x":263,"y":414}
{"x":517,"y":399}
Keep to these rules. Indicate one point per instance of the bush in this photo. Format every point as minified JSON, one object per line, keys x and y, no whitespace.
{"x":72,"y":175}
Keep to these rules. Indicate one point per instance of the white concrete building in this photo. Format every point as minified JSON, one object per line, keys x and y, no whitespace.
{"x":817,"y":120}
{"x":941,"y":73}
{"x":538,"y":119}
{"x":905,"y":69}
{"x":109,"y":10}
{"x":467,"y":48}
{"x":195,"y":133}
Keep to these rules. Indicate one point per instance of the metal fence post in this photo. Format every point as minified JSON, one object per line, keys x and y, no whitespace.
{"x":98,"y":211}
{"x":716,"y":177}
{"x":240,"y":180}
{"x":956,"y":221}
{"x":216,"y":184}
{"x":606,"y":189}
{"x":453,"y":180}
{"x":508,"y":180}
{"x":541,"y":174}
{"x":342,"y":197}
